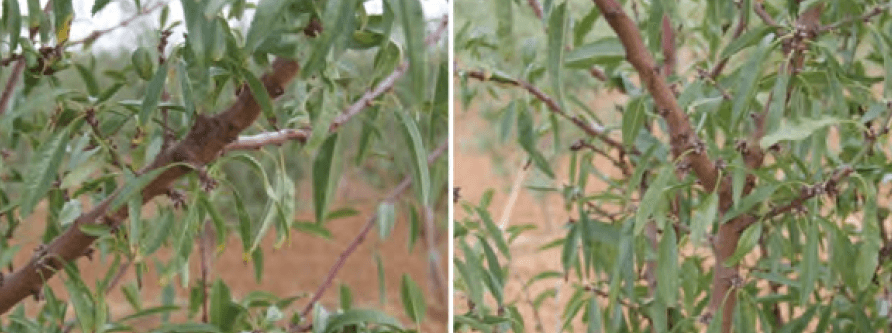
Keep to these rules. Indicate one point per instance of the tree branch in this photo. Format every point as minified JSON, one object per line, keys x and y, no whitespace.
{"x":594,"y":130}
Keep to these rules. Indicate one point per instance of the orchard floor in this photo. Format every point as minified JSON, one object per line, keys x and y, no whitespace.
{"x":297,"y":268}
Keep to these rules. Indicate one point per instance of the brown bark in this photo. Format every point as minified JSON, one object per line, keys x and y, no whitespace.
{"x":204,"y":143}
{"x":686,"y":144}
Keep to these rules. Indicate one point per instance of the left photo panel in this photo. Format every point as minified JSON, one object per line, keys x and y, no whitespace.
{"x":224,"y":165}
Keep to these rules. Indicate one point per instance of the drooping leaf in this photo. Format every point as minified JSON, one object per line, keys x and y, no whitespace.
{"x":420,"y":170}
{"x":413,"y":299}
{"x":326,"y":174}
{"x":153,"y":93}
{"x":43,"y":171}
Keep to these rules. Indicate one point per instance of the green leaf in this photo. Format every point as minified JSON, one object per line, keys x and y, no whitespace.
{"x":153,"y":93}
{"x":185,"y":88}
{"x":570,"y":251}
{"x":420,"y":170}
{"x":95,"y":230}
{"x":89,"y":80}
{"x":704,"y":218}
{"x":748,"y":77}
{"x":337,"y":322}
{"x":652,"y":198}
{"x":633,"y":121}
{"x":260,"y":94}
{"x":221,"y":310}
{"x":494,"y":232}
{"x":187,"y":327}
{"x":98,"y":5}
{"x":748,"y":240}
{"x":345,"y":296}
{"x":268,"y":11}
{"x":337,"y":16}
{"x":35,"y":14}
{"x":326,"y":174}
{"x":13,"y":16}
{"x":244,"y":223}
{"x":160,"y":231}
{"x":42,"y":171}
{"x":313,"y":229}
{"x":386,"y":218}
{"x":809,"y":266}
{"x":64,"y":14}
{"x":142,"y":62}
{"x":557,"y":26}
{"x":411,"y":17}
{"x":595,"y":324}
{"x":526,"y":136}
{"x":745,"y":40}
{"x":797,"y":131}
{"x":413,"y":299}
{"x":667,"y":267}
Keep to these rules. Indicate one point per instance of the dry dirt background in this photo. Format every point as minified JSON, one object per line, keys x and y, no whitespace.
{"x":297,"y":268}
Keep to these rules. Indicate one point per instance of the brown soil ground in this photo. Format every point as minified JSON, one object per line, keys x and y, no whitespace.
{"x":297,"y":268}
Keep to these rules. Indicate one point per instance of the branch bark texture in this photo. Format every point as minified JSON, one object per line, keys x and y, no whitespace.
{"x":204,"y":143}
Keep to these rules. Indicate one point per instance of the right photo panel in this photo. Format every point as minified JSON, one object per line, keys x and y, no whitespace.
{"x":672,"y":166}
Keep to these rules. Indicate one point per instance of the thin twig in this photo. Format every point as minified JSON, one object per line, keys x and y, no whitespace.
{"x":808,"y":192}
{"x":386,"y":84}
{"x":760,"y":11}
{"x":594,"y":130}
{"x":863,"y":18}
{"x":537,"y":8}
{"x":93,"y":36}
{"x":370,"y":222}
{"x":741,"y":26}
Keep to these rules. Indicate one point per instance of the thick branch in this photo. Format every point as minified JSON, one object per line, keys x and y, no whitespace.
{"x":683,"y":139}
{"x":203,"y":144}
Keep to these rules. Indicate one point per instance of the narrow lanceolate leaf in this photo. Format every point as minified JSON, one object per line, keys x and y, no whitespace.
{"x":338,"y":14}
{"x":186,"y":88}
{"x":326,"y":173}
{"x":887,"y":63}
{"x":776,"y":108}
{"x":746,"y":84}
{"x":386,"y":219}
{"x":413,"y":299}
{"x":748,"y":240}
{"x":97,"y":6}
{"x":557,"y":25}
{"x":526,"y":136}
{"x":633,"y":121}
{"x":153,"y":94}
{"x":667,"y":267}
{"x":796,"y":131}
{"x":89,"y":79}
{"x":410,"y":16}
{"x":420,"y":170}
{"x":64,"y":13}
{"x":262,"y":24}
{"x":808,"y":267}
{"x":13,"y":16}
{"x":652,"y":198}
{"x":35,"y":13}
{"x":42,"y":171}
{"x":704,"y":218}
{"x":260,"y":94}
